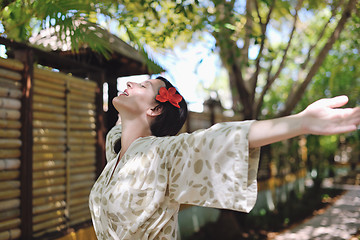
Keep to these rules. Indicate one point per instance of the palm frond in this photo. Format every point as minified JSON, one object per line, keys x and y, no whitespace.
{"x":70,"y":24}
{"x":150,"y":62}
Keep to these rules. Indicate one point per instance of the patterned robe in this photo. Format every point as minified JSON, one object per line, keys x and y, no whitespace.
{"x":210,"y":168}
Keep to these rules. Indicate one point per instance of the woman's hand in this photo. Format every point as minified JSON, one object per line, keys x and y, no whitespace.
{"x":323,"y":117}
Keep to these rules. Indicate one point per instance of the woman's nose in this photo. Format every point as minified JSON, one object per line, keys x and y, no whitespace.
{"x":129,"y":84}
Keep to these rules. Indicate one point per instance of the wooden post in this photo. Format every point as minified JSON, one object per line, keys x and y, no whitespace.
{"x":99,"y":77}
{"x":26,"y":169}
{"x":67,"y":161}
{"x":112,"y":114}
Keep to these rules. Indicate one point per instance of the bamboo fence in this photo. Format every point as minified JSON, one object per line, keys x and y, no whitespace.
{"x":64,"y":150}
{"x":82,"y":151}
{"x":10,"y":144}
{"x":49,"y":145}
{"x":63,"y":146}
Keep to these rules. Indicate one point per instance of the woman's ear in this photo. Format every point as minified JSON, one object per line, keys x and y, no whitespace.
{"x":156,"y":111}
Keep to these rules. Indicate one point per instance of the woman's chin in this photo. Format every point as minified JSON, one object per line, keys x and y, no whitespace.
{"x":118,"y":103}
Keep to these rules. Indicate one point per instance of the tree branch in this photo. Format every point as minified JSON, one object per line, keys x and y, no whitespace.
{"x":307,"y":60}
{"x":284,"y":58}
{"x":259,"y":103}
{"x":295,"y":98}
{"x":243,"y":92}
{"x":254,"y":77}
{"x":271,"y":80}
{"x":248,"y":31}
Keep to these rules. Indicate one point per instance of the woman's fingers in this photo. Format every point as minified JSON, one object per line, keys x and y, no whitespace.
{"x":338,"y":101}
{"x":334,"y":102}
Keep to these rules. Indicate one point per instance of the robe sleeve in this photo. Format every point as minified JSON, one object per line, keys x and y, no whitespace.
{"x":112,"y":137}
{"x":215,"y":168}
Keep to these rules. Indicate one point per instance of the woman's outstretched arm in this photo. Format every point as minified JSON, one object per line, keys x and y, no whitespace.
{"x":322,"y":117}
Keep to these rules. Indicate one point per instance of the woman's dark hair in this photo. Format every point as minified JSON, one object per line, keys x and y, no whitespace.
{"x":171,"y":120}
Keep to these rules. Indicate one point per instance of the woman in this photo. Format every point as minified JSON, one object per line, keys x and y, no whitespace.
{"x":139,"y":192}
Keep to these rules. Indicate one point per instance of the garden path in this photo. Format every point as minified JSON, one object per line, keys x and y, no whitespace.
{"x":339,"y":221}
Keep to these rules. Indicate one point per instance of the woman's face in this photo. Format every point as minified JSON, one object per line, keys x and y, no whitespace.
{"x":138,"y":98}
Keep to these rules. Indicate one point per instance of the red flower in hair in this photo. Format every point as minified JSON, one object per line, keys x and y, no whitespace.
{"x":169,"y":95}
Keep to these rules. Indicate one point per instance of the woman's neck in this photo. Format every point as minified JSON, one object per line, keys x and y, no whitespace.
{"x":132,"y":130}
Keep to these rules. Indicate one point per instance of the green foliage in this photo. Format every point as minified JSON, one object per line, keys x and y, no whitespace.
{"x":70,"y":20}
{"x":158,"y":24}
{"x":339,"y":75}
{"x":75,"y":22}
{"x":253,"y":38}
